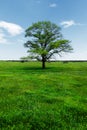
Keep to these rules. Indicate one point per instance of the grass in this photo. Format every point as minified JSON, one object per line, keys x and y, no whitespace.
{"x":36,"y":99}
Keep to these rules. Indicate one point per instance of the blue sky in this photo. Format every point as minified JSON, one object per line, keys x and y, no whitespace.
{"x":18,"y":15}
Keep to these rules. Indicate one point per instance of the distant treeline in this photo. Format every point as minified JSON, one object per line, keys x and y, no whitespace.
{"x":64,"y":61}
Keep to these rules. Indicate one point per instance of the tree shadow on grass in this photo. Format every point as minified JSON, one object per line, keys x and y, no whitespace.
{"x":36,"y":67}
{"x":47,"y":69}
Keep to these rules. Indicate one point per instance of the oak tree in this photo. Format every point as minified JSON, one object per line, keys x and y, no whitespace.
{"x":45,"y":40}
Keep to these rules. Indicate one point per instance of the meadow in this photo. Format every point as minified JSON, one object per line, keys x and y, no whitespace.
{"x":35,"y":99}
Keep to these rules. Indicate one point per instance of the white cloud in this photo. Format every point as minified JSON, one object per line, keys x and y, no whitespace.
{"x":53,"y":5}
{"x":11,"y":28}
{"x":5,"y":39}
{"x":2,"y":37}
{"x":69,"y":23}
{"x":8,"y":31}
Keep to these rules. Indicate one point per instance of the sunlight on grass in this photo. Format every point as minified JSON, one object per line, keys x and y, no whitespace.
{"x":36,"y":99}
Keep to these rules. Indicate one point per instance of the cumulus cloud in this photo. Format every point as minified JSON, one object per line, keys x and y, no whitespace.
{"x":11,"y":28}
{"x":69,"y":23}
{"x":10,"y":32}
{"x":52,"y":5}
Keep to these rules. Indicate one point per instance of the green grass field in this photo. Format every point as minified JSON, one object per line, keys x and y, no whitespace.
{"x":36,"y":99}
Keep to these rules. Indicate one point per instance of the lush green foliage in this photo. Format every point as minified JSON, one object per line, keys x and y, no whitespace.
{"x":36,"y":99}
{"x":45,"y":40}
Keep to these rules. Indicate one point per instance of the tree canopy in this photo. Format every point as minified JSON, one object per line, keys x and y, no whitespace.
{"x":45,"y":40}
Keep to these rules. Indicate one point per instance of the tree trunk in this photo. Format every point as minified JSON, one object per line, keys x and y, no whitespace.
{"x":43,"y":64}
